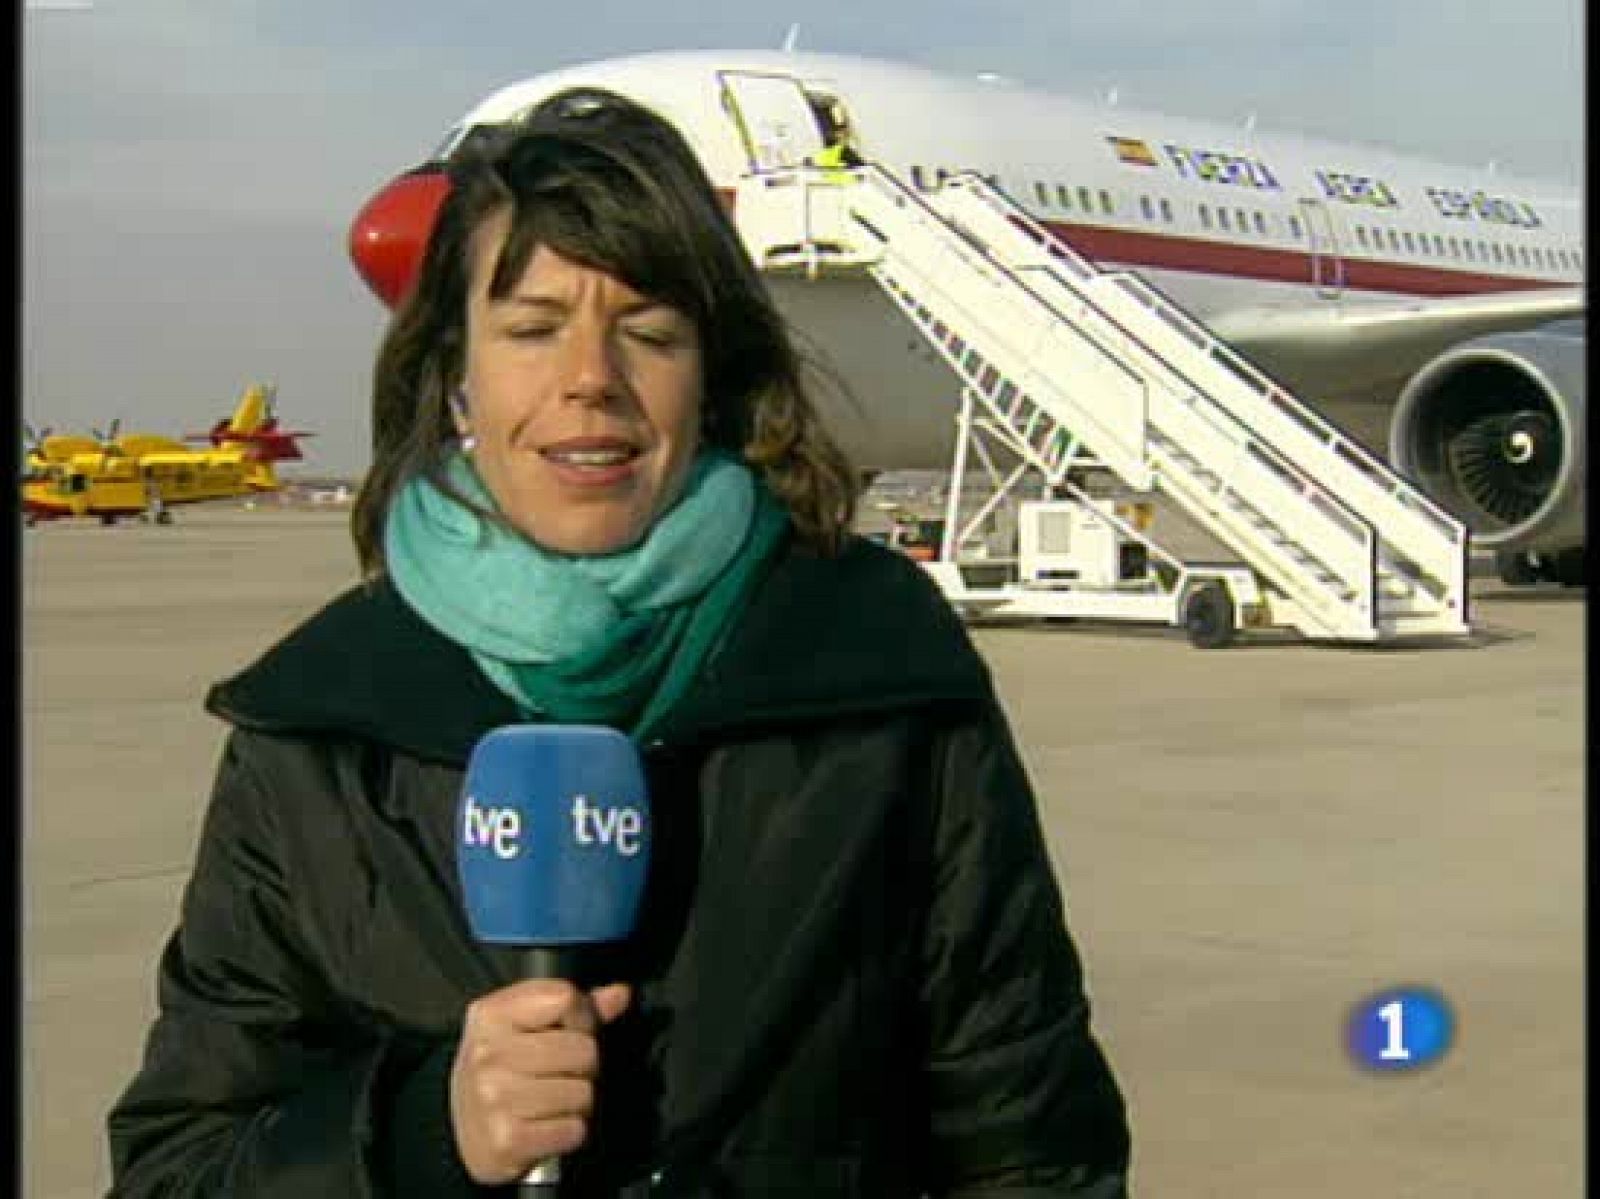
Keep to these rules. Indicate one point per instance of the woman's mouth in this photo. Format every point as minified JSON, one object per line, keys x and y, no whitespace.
{"x":592,"y":463}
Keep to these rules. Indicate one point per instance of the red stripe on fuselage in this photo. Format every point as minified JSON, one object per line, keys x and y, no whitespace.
{"x":1268,"y":264}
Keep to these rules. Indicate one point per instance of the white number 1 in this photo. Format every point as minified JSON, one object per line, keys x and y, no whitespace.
{"x":1395,"y":1050}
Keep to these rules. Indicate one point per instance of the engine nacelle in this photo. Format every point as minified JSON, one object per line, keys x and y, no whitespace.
{"x":1493,"y":431}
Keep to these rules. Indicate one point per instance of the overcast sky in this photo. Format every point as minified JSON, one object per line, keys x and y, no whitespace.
{"x":191,"y":166}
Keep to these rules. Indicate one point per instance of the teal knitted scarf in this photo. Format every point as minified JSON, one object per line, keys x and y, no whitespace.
{"x":611,"y":639}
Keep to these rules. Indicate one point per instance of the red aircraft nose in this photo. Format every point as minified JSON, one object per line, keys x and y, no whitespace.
{"x":391,"y":230}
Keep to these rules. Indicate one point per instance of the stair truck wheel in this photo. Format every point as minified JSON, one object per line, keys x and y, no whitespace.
{"x":1208,"y":616}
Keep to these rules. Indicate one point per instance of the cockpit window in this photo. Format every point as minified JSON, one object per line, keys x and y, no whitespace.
{"x":450,"y":141}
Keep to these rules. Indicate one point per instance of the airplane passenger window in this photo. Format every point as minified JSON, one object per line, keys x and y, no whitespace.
{"x":1294,"y":228}
{"x":1222,"y":219}
{"x":1147,"y":208}
{"x":1244,"y":224}
{"x":1083,"y":200}
{"x":1411,"y":246}
{"x":1062,"y":196}
{"x":1166,"y":211}
{"x":1455,"y":248}
{"x":1042,"y":192}
{"x":1394,"y":241}
{"x":1105,"y":203}
{"x":1438,"y":244}
{"x":1261,"y":225}
{"x":918,"y":179}
{"x":1205,"y":216}
{"x":1361,"y":236}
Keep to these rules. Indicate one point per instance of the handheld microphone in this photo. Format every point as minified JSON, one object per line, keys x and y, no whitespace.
{"x":553,"y":844}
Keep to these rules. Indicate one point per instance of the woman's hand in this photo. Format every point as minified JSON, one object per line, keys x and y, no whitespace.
{"x":522,"y":1084}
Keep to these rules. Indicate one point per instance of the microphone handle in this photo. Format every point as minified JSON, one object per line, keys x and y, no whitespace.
{"x":550,"y":961}
{"x":546,"y":961}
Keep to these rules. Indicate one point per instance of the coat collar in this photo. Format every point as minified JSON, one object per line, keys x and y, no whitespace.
{"x":824,"y":636}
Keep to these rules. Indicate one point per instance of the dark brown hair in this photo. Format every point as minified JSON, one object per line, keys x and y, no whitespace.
{"x":608,"y":184}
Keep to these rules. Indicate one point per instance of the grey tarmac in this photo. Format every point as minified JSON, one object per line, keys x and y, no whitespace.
{"x":1250,"y":840}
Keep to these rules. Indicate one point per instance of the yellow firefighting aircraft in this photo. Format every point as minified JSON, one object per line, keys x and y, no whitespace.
{"x":144,"y":474}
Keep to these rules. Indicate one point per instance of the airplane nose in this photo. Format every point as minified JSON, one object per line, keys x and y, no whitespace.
{"x":390,"y":232}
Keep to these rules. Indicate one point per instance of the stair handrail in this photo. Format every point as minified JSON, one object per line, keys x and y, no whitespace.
{"x":1226,"y":423}
{"x":1239,"y":431}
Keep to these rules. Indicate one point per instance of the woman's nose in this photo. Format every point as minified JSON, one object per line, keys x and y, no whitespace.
{"x":591,"y":367}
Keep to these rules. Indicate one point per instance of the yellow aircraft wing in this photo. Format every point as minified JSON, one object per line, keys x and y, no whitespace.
{"x":142,"y":445}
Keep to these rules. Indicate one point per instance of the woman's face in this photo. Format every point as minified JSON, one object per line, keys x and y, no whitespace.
{"x":583,"y":397}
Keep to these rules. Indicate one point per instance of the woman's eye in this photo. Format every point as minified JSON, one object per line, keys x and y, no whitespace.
{"x":652,"y":335}
{"x":531,"y":332}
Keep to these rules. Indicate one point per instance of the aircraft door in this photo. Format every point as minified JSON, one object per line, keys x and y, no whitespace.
{"x":1327,"y":267}
{"x":774,"y":119}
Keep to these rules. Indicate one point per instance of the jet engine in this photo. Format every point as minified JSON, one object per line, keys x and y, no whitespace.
{"x":1493,"y":431}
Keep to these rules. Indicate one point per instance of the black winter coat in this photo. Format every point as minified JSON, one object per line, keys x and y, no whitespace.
{"x":852,"y":975}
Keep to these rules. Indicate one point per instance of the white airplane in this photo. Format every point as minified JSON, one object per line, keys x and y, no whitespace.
{"x":1432,"y":310}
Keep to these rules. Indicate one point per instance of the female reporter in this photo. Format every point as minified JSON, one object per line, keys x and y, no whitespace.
{"x":600,"y":494}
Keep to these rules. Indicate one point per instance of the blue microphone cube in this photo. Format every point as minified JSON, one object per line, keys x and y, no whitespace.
{"x":553,"y":835}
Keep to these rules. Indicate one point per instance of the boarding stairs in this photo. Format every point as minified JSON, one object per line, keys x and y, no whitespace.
{"x":1067,"y":365}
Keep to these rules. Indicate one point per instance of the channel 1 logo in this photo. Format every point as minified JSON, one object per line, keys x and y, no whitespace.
{"x":1400,"y":1029}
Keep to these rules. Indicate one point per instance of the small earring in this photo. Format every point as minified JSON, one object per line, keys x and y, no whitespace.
{"x":458,"y":405}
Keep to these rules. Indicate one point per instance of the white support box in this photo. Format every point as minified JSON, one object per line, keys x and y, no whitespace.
{"x":1078,"y":559}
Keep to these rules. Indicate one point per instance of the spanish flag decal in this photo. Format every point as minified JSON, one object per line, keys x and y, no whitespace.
{"x":1132,"y":150}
